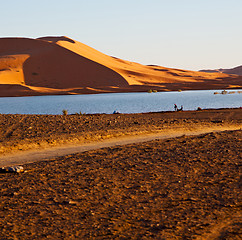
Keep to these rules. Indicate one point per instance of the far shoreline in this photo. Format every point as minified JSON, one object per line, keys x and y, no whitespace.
{"x":120,"y":113}
{"x":87,"y":91}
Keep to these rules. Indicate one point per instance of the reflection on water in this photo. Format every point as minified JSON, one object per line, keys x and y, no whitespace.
{"x":121,"y":102}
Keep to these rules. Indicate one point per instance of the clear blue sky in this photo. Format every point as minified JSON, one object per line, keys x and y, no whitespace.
{"x":186,"y":34}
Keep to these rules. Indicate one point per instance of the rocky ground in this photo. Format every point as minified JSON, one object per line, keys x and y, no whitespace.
{"x":22,"y":132}
{"x":181,"y":188}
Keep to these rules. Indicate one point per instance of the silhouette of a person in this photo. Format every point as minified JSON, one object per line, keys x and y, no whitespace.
{"x":175,"y":107}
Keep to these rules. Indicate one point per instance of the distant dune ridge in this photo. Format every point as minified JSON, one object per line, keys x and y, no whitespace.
{"x":236,"y":70}
{"x":60,"y":65}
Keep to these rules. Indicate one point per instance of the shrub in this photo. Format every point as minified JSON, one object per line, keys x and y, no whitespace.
{"x":152,"y":91}
{"x":65,"y":112}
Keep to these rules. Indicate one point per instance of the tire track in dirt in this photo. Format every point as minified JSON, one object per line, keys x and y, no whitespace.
{"x":54,"y":152}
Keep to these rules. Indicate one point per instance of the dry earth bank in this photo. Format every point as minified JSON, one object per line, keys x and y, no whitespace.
{"x":24,"y":132}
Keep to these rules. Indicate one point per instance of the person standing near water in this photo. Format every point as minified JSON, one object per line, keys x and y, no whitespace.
{"x":175,"y":107}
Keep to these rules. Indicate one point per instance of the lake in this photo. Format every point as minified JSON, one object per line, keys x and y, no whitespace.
{"x":122,"y":102}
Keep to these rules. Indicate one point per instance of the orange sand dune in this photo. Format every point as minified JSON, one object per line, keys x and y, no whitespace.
{"x":236,"y":70}
{"x":60,"y":65}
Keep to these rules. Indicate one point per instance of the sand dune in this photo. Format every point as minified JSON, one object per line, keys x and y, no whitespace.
{"x":60,"y":65}
{"x":236,"y":70}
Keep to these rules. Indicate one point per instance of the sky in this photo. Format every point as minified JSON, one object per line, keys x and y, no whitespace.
{"x":185,"y":34}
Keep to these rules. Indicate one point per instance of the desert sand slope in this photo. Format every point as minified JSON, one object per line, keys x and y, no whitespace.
{"x":236,"y":70}
{"x":47,"y":65}
{"x":60,"y":65}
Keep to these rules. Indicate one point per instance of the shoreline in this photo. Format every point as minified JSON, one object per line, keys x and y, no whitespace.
{"x":146,"y":89}
{"x":89,"y":114}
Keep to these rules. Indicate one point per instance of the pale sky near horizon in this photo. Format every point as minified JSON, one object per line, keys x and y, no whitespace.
{"x":186,"y":34}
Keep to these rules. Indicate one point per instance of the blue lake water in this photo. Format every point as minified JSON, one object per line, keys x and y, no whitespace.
{"x":122,"y":102}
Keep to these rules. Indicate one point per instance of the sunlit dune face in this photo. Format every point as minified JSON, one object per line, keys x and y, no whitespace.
{"x":58,"y":65}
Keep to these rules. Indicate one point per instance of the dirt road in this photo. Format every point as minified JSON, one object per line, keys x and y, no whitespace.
{"x":54,"y":152}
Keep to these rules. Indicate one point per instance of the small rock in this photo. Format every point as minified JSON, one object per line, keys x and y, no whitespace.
{"x":14,"y":169}
{"x":73,"y":202}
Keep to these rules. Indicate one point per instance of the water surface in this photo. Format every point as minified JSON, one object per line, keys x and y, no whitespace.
{"x":122,"y":102}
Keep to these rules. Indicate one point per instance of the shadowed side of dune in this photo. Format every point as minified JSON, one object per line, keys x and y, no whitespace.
{"x":51,"y":66}
{"x":62,"y":68}
{"x":141,"y":77}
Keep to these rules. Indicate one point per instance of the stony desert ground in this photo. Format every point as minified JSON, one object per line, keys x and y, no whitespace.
{"x":179,"y":188}
{"x":24,"y":132}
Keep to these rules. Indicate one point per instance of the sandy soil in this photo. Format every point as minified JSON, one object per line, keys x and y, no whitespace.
{"x":60,"y":65}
